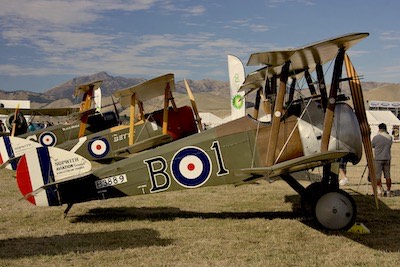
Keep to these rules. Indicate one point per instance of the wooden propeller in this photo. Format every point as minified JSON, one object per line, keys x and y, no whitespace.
{"x":359,"y":108}
{"x":194,"y":106}
{"x":14,"y":125}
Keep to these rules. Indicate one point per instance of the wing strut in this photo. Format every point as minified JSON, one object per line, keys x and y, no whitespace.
{"x":85,"y":106}
{"x":167,"y":97}
{"x":359,"y":108}
{"x":310,"y":83}
{"x":291,"y":91}
{"x":116,"y":110}
{"x":328,"y":120}
{"x":322,"y":86}
{"x":257,"y":104}
{"x":276,"y":117}
{"x":132,"y":119}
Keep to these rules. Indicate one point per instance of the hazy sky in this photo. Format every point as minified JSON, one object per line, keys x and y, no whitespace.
{"x":45,"y":43}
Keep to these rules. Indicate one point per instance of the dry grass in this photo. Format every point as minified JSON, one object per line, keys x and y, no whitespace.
{"x":257,"y":225}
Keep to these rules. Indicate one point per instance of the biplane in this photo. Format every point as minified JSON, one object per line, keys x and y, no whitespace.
{"x":88,"y":121}
{"x":144,"y":131}
{"x":303,"y":134}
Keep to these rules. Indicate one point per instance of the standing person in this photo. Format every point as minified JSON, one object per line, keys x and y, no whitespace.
{"x":343,"y":171}
{"x":2,"y":127}
{"x":382,"y":144}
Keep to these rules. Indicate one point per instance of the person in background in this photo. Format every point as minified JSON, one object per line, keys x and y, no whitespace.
{"x":2,"y":127}
{"x":382,"y":144}
{"x":343,"y":171}
{"x":31,"y":127}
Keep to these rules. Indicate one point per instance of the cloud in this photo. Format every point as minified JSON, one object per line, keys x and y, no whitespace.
{"x":390,"y":36}
{"x":390,"y":46}
{"x":356,"y":53}
{"x":185,"y":11}
{"x":68,"y":37}
{"x":254,"y":25}
{"x":275,"y":3}
{"x":395,"y":69}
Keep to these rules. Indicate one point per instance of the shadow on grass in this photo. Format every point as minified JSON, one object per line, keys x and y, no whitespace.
{"x":84,"y":242}
{"x":382,"y":223}
{"x":168,"y":213}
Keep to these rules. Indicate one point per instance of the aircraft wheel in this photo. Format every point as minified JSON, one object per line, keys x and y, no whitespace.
{"x":335,"y":210}
{"x":308,"y":200}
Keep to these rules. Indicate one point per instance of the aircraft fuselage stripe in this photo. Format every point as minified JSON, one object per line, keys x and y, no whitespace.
{"x":47,"y":174}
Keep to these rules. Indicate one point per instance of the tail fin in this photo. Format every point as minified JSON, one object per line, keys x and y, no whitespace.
{"x":11,"y":148}
{"x":43,"y":168}
{"x":97,"y":99}
{"x":236,"y":79}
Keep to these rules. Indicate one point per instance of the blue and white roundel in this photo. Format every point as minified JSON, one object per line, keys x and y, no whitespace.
{"x":98,"y":147}
{"x":191,"y":167}
{"x":48,"y":139}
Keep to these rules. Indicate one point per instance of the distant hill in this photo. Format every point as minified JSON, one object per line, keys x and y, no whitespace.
{"x":387,"y":92}
{"x":26,"y":95}
{"x":109,"y":85}
{"x":63,"y":93}
{"x":212,"y":94}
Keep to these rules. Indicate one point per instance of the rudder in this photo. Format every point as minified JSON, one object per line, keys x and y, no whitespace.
{"x":43,"y":168}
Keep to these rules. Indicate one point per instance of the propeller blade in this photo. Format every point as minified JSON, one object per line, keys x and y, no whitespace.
{"x":194,"y":106}
{"x":359,"y":108}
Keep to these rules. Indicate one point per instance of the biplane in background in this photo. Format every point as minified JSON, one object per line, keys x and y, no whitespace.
{"x":144,"y":131}
{"x":303,"y":134}
{"x":87,"y":121}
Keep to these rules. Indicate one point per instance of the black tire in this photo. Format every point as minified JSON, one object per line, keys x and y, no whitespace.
{"x":309,"y":199}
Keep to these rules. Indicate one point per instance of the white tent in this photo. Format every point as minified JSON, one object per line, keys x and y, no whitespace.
{"x":376,"y":117}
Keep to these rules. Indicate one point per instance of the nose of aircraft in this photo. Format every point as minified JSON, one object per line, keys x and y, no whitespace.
{"x":346,"y":132}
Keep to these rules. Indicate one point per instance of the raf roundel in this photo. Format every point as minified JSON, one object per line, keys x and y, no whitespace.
{"x":191,"y":167}
{"x":48,"y":139}
{"x":98,"y":147}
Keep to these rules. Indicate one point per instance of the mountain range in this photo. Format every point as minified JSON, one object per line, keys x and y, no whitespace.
{"x":208,"y":91}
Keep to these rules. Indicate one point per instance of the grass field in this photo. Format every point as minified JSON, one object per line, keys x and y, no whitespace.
{"x":252,"y":225}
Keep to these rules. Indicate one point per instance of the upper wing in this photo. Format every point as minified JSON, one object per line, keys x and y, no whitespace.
{"x":146,"y":90}
{"x":84,"y":88}
{"x":301,"y":59}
